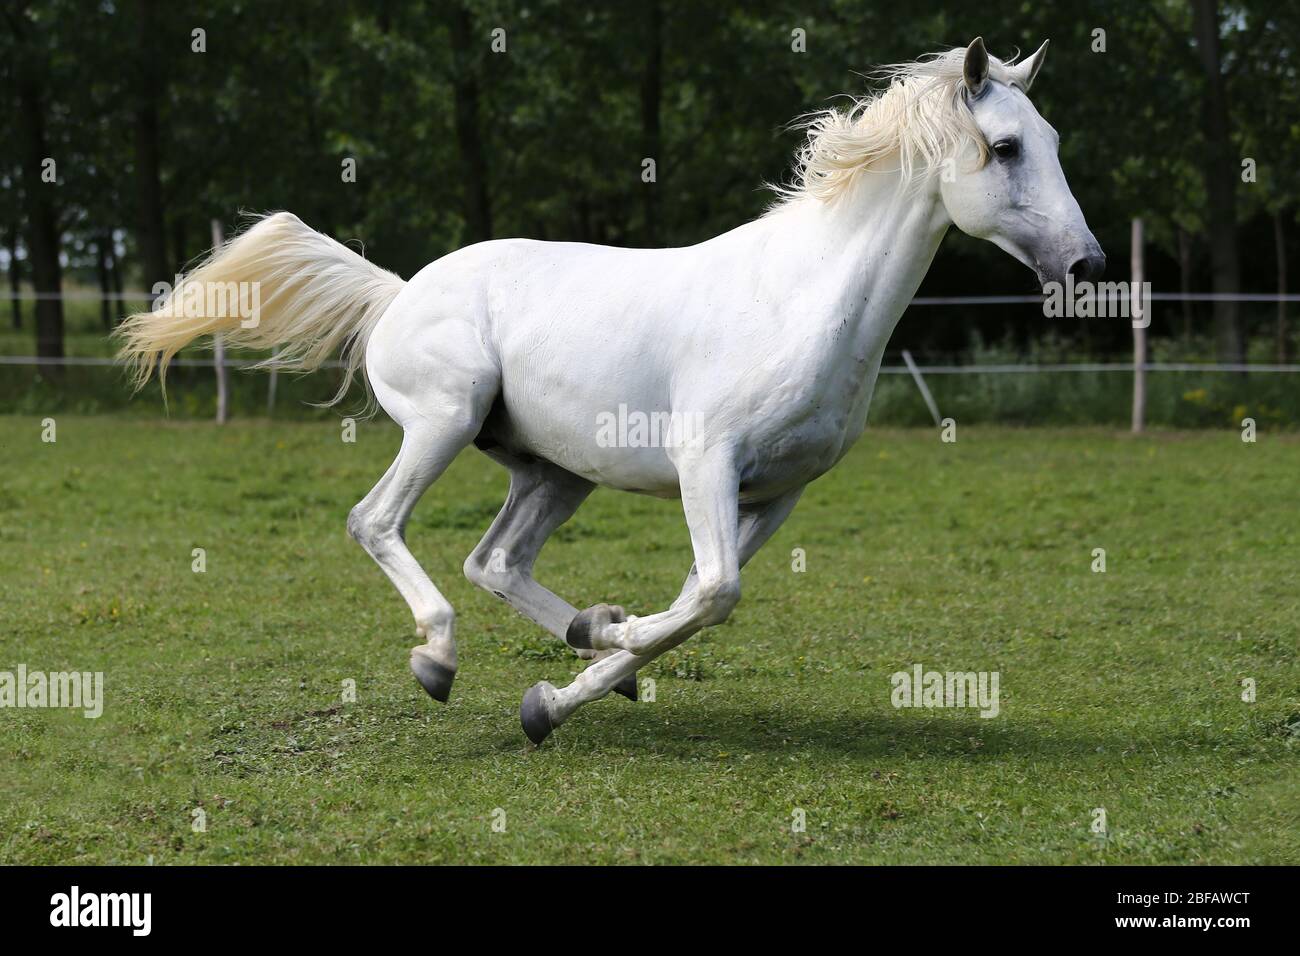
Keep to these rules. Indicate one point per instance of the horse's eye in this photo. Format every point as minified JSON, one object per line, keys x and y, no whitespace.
{"x":1007,"y":149}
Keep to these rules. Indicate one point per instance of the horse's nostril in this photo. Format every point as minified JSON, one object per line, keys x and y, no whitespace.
{"x":1088,"y":268}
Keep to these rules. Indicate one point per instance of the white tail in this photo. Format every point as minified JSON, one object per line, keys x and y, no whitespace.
{"x":309,"y":295}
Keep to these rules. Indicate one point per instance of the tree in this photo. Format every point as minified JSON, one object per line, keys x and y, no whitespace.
{"x":32,"y":68}
{"x":467,"y":46}
{"x":147,"y":88}
{"x":651,"y":94}
{"x":1221,"y":177}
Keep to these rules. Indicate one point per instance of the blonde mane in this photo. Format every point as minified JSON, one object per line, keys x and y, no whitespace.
{"x":921,"y":115}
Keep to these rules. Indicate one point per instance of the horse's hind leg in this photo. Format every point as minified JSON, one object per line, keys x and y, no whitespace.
{"x":446,"y":424}
{"x":542,"y":497}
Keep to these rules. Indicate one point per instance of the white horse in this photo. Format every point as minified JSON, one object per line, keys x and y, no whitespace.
{"x":767,"y":340}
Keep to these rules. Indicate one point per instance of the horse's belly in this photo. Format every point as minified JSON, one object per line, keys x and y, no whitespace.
{"x":605,"y":428}
{"x":604,"y":442}
{"x":646,"y":471}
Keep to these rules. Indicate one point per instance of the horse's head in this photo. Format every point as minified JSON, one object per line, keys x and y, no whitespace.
{"x":1017,"y":198}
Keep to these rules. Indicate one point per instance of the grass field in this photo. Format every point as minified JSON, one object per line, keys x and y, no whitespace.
{"x":1119,"y":690}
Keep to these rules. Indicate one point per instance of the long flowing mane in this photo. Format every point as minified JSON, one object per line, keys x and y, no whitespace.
{"x":921,"y":114}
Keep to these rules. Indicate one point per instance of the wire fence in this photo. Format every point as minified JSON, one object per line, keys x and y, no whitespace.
{"x":220,"y":362}
{"x":937,"y":369}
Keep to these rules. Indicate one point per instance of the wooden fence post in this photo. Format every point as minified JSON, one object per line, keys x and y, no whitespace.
{"x":219,"y":347}
{"x":925,"y":391}
{"x":1137,"y":304}
{"x":270,"y":386}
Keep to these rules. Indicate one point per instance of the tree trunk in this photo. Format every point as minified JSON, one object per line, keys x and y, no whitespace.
{"x":1221,"y":176}
{"x":15,"y":280}
{"x":115,"y":273}
{"x":473,"y":163}
{"x":150,"y":236}
{"x":42,"y":221}
{"x":179,"y":239}
{"x":1279,"y":240}
{"x":651,"y":94}
{"x":1185,"y":283}
{"x":105,"y":284}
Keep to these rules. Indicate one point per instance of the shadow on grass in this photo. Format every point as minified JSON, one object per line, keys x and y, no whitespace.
{"x":700,"y":733}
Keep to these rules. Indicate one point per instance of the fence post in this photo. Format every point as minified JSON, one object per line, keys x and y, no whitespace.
{"x":270,"y":386}
{"x":920,"y":383}
{"x":219,"y":347}
{"x":1136,"y":305}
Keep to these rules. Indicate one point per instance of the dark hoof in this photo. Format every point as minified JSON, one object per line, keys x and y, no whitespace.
{"x":434,"y":677}
{"x":627,"y":687}
{"x":534,"y":716}
{"x":589,"y":622}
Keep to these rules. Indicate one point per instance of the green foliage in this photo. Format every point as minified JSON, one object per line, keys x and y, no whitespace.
{"x":285,"y":92}
{"x":1175,"y":399}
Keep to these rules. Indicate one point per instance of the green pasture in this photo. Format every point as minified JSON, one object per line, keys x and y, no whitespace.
{"x":225,"y":690}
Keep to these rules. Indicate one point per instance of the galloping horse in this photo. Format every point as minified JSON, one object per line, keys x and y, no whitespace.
{"x":767,"y":338}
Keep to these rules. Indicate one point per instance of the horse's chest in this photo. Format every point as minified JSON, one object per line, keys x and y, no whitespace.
{"x":803,"y":427}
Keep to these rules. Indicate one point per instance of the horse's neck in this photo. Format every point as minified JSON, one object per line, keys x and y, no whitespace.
{"x":858,"y":262}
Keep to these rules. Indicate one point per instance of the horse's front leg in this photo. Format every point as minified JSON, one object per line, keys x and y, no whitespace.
{"x":758,"y":522}
{"x":710,"y":488}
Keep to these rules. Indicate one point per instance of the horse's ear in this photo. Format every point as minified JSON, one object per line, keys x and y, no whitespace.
{"x":975,"y":71}
{"x":1023,"y":73}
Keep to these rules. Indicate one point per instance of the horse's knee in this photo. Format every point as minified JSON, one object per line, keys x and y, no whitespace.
{"x":371,"y":534}
{"x":491,"y":570}
{"x":715,"y":600}
{"x":485,"y":570}
{"x":359,"y":527}
{"x":478,"y":566}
